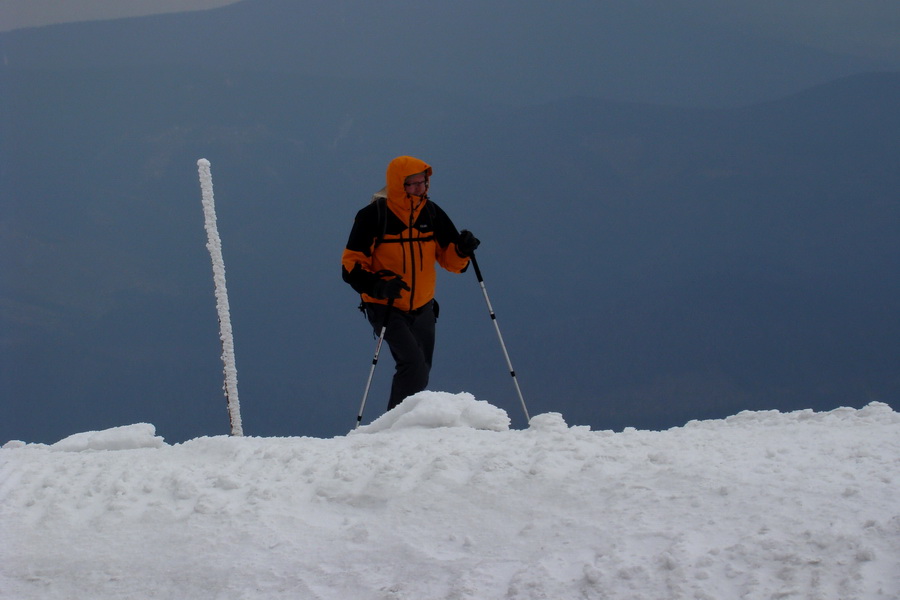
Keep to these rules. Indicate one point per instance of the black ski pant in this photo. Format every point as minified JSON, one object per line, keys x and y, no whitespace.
{"x":410,"y":336}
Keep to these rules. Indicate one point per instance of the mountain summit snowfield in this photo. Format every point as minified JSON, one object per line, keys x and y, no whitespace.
{"x":439,"y":499}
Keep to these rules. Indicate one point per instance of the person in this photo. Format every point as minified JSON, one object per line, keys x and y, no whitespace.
{"x":390,"y":260}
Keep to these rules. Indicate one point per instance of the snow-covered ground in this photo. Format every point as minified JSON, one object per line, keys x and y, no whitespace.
{"x":440,"y":500}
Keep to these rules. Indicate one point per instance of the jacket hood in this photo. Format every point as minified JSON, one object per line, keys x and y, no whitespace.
{"x":397,"y":171}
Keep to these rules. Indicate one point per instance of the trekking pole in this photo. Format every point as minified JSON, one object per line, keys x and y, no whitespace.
{"x":374,"y":361}
{"x":499,"y":336}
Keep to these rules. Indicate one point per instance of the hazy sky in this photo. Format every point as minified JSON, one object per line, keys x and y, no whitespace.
{"x":15,"y":14}
{"x":861,"y":27}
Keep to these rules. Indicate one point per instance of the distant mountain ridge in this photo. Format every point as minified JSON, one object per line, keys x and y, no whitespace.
{"x":503,"y":52}
{"x":649,"y":264}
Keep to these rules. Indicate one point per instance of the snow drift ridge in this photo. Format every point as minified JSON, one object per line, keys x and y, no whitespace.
{"x":442,"y":500}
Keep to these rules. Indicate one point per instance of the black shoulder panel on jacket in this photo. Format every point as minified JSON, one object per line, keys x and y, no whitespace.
{"x":365,"y":229}
{"x":444,"y":230}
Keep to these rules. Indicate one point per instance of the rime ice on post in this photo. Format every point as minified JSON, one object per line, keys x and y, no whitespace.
{"x":214,"y":245}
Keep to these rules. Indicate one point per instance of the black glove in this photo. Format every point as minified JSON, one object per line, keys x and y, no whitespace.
{"x":386,"y":289}
{"x":466,"y":243}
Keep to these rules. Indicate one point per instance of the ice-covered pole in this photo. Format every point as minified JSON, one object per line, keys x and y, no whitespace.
{"x":214,"y":245}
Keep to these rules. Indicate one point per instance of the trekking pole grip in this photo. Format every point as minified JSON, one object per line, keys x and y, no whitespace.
{"x":475,"y":266}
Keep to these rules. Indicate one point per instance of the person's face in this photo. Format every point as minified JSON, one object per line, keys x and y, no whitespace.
{"x":416,"y":185}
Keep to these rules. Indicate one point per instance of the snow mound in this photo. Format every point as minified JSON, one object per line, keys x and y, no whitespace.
{"x":758,"y":505}
{"x":129,"y":437}
{"x":430,"y":410}
{"x":548,"y":422}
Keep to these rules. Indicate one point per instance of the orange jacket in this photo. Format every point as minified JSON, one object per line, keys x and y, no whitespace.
{"x":406,"y":235}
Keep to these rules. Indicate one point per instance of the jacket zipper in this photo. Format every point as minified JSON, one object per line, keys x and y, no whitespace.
{"x":412,"y":263}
